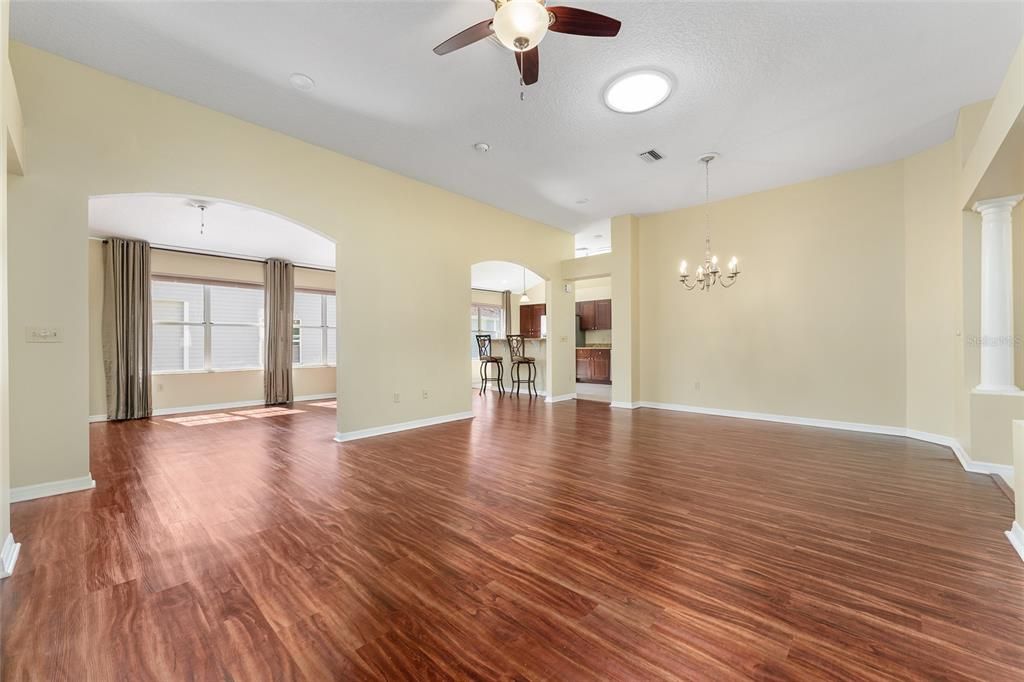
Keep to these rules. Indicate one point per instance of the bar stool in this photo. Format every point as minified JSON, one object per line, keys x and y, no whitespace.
{"x":517,"y":349}
{"x":483,"y":344}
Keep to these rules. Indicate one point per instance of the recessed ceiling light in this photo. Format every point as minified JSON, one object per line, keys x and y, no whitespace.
{"x":301,"y":81}
{"x":598,"y":236}
{"x":482,"y":147}
{"x":582,"y":201}
{"x":637,"y":91}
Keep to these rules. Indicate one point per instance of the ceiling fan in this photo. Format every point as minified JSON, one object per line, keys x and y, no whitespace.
{"x":521,"y":24}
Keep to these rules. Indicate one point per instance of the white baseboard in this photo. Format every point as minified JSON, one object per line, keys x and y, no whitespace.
{"x":70,"y":485}
{"x":318,"y":396}
{"x":625,"y":405}
{"x":9,"y":556}
{"x":1016,"y":537}
{"x":560,"y":398}
{"x":403,"y":426}
{"x":973,"y":466}
{"x":165,"y":411}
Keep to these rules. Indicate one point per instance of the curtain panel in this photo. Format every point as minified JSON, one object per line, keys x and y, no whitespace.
{"x":127,"y":328}
{"x":506,"y":309}
{"x":279,"y":300}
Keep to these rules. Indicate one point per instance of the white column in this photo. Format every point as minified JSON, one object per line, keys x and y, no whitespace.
{"x":997,"y":339}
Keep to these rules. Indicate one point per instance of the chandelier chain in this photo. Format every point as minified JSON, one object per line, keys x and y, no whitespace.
{"x":707,"y":206}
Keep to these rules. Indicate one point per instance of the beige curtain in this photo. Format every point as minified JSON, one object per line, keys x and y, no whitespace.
{"x":127,"y":328}
{"x":279,"y":300}
{"x":506,"y":306}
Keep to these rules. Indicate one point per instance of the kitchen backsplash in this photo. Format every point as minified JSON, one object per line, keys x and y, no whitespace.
{"x":598,"y":336}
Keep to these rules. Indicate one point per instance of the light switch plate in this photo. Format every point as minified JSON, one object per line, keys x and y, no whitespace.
{"x":44,"y":335}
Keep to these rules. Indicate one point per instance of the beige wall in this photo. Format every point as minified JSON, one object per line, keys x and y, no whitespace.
{"x":193,"y":389}
{"x":595,"y":289}
{"x":91,"y":134}
{"x":933,"y":248}
{"x":5,"y":468}
{"x":538,"y":294}
{"x":815,"y":327}
{"x":626,"y":348}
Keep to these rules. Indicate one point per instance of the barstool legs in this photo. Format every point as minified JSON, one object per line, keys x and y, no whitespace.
{"x":485,"y":377}
{"x":516,"y":374}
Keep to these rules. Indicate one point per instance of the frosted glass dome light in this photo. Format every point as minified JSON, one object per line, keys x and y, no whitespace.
{"x":521,"y":24}
{"x":637,"y":91}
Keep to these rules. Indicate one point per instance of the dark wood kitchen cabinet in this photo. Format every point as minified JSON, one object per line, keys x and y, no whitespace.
{"x":529,"y":319}
{"x":595,"y":314}
{"x":601,"y":365}
{"x":582,"y":365}
{"x":594,"y":365}
{"x":588,"y":315}
{"x":603,"y":314}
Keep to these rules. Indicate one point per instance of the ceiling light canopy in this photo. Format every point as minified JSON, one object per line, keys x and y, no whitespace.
{"x":301,"y":81}
{"x":637,"y":91}
{"x":521,"y":24}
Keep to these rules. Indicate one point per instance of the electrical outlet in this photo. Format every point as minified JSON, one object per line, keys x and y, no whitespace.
{"x":159,"y":388}
{"x":44,"y":335}
{"x":426,"y":394}
{"x":696,"y":385}
{"x":398,"y":398}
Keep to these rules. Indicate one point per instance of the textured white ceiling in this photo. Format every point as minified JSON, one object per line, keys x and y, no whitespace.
{"x":496,"y":275}
{"x":231,"y":229}
{"x":786,"y":91}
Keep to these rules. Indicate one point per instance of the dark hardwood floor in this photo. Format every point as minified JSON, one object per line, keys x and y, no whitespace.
{"x":535,"y":542}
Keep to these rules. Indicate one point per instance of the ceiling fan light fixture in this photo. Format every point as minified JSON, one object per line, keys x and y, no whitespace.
{"x":637,"y":91}
{"x":521,"y":24}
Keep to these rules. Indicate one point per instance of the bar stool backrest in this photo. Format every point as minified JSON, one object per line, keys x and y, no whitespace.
{"x":516,"y":345}
{"x":483,"y":344}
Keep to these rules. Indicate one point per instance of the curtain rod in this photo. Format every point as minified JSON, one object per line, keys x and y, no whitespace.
{"x":248,"y":259}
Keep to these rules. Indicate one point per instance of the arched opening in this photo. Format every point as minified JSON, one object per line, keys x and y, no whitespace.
{"x":508,"y":299}
{"x":207,"y":301}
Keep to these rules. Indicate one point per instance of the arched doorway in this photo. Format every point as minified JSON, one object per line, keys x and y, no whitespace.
{"x":508,"y":298}
{"x":207,"y":258}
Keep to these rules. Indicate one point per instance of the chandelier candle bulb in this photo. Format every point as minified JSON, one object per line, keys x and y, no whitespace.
{"x":682,"y":268}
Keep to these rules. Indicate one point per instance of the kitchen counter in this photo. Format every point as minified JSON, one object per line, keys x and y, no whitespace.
{"x":599,"y":346}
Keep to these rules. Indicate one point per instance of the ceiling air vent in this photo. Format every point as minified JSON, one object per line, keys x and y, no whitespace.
{"x":651,"y":155}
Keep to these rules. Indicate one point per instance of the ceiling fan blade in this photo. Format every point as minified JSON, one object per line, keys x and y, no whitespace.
{"x":581,"y":22}
{"x":529,"y":65}
{"x":468,"y":37}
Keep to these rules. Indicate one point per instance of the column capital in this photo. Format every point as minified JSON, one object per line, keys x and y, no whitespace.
{"x":998,"y":204}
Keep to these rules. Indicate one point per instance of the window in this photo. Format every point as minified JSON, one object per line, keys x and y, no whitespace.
{"x":483,"y":319}
{"x":199,"y":326}
{"x":314,"y":331}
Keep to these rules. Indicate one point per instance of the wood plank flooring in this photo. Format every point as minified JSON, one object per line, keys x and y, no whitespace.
{"x":536,"y":542}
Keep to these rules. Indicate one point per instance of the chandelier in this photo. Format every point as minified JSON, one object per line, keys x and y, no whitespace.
{"x":709,"y":274}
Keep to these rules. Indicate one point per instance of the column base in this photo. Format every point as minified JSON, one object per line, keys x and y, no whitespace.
{"x":998,"y":390}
